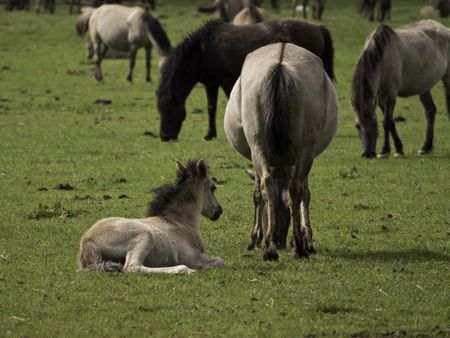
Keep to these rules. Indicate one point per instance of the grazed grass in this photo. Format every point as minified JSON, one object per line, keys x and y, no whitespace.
{"x":381,"y":227}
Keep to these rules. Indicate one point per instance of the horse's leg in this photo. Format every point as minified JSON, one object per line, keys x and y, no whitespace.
{"x":134,"y":261}
{"x":294,"y":7}
{"x":257,"y":218}
{"x":389,"y":127}
{"x":148,"y":56}
{"x":211,"y":93}
{"x":446,"y":81}
{"x":100,"y":51}
{"x":430,"y":113}
{"x":133,"y":53}
{"x":299,"y":199}
{"x":305,"y":14}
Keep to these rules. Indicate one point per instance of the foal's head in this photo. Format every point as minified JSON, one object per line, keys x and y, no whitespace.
{"x":196,"y":176}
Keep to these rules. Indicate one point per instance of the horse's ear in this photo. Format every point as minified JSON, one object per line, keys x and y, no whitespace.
{"x":201,"y":168}
{"x":180,"y":166}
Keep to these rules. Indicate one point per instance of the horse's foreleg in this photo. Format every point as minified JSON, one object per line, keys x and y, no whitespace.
{"x":211,"y":93}
{"x":148,"y":57}
{"x":133,"y":53}
{"x":389,"y":127}
{"x":430,"y":113}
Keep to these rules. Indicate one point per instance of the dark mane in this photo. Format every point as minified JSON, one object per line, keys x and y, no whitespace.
{"x":362,"y":88}
{"x":183,"y":56}
{"x":168,"y":192}
{"x":255,"y":14}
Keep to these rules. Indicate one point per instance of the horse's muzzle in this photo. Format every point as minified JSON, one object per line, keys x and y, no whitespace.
{"x":217,"y":214}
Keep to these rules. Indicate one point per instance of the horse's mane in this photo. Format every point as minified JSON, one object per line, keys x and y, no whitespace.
{"x":279,"y":87}
{"x":168,"y":192}
{"x":255,"y":14}
{"x":362,"y":88}
{"x":182,"y":57}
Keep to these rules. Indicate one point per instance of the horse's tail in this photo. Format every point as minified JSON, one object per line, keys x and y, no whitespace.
{"x":158,"y":35}
{"x":82,"y":24}
{"x":328,"y":52}
{"x":276,"y":107}
{"x":255,"y":15}
{"x":90,"y":258}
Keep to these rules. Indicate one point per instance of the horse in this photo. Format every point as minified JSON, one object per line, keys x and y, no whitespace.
{"x":17,"y":4}
{"x":282,"y":113}
{"x":125,"y":29}
{"x":404,"y":61}
{"x":228,"y":9}
{"x":441,"y":8}
{"x":250,"y":15}
{"x":317,"y":8}
{"x":214,"y":54}
{"x":168,"y":240}
{"x":367,"y":8}
{"x":49,"y":5}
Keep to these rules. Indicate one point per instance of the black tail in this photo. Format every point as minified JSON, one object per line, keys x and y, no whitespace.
{"x":328,"y":52}
{"x":254,"y":14}
{"x":82,"y":24}
{"x":159,"y":34}
{"x":279,"y":89}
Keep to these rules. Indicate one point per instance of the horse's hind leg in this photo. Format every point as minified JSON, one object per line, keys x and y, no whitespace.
{"x":211,"y":93}
{"x":100,"y":51}
{"x":299,"y":200}
{"x":148,"y":56}
{"x":257,"y":218}
{"x":430,"y":113}
{"x":133,"y":53}
{"x":135,"y":259}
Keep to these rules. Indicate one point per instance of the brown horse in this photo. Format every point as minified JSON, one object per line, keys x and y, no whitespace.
{"x":214,"y":54}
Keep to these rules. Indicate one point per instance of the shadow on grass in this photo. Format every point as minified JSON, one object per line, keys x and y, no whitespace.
{"x":413,"y":255}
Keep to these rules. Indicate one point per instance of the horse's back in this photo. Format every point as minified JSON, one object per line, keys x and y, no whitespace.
{"x":425,"y":48}
{"x":311,"y":104}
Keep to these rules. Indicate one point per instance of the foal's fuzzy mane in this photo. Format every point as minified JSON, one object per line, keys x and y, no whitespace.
{"x":166,"y":193}
{"x":362,"y":88}
{"x":182,"y":57}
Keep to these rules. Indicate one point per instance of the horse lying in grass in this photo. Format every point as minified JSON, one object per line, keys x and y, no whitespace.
{"x":403,"y":62}
{"x":168,"y":240}
{"x":214,"y":54}
{"x":124,"y":29}
{"x":282,"y":113}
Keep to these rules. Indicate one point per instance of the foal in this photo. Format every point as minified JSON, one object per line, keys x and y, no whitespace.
{"x":168,"y":240}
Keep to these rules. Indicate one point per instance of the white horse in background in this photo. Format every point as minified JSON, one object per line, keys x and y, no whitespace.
{"x":168,"y":240}
{"x":124,"y":29}
{"x":282,"y":113}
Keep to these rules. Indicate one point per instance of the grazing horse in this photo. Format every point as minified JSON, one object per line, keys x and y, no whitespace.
{"x":250,"y":15}
{"x":403,"y":62}
{"x":168,"y":240}
{"x":367,"y":8}
{"x":228,"y":9}
{"x":317,"y":7}
{"x":214,"y":54}
{"x":124,"y":29}
{"x":441,"y":8}
{"x":282,"y":113}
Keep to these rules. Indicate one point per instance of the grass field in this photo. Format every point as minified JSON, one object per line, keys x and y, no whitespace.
{"x":381,"y":227}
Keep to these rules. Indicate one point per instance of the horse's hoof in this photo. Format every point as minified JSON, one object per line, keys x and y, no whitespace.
{"x":398,"y":155}
{"x":424,"y":151}
{"x":368,"y":154}
{"x":383,"y":155}
{"x":270,"y":255}
{"x":299,"y":254}
{"x":250,"y":247}
{"x":209,"y":137}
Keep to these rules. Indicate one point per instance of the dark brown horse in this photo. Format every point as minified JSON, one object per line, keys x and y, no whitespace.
{"x":214,"y":55}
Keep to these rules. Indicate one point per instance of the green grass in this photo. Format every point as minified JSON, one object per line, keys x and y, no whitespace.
{"x":381,"y":227}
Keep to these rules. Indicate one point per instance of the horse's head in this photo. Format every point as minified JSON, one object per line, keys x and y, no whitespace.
{"x":172,"y":113}
{"x":367,"y":126}
{"x":198,"y":172}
